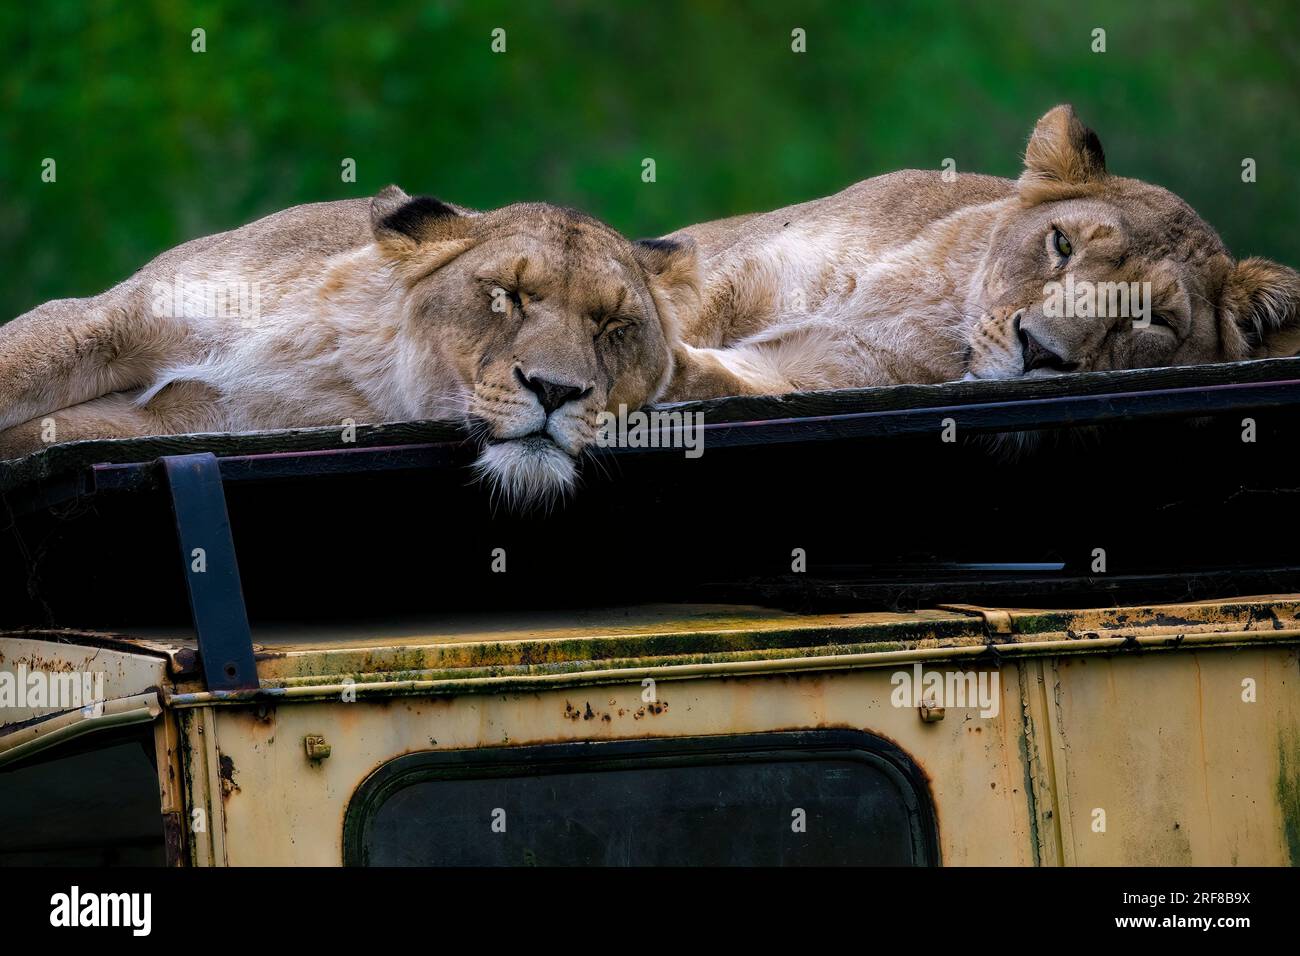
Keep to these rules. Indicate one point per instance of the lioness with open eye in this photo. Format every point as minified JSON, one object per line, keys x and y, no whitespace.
{"x":525,"y":322}
{"x":918,"y":277}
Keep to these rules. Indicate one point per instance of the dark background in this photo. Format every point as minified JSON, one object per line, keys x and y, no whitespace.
{"x":156,"y":144}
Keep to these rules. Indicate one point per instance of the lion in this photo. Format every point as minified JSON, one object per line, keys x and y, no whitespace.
{"x":528,"y":321}
{"x":525,"y":322}
{"x":925,"y":277}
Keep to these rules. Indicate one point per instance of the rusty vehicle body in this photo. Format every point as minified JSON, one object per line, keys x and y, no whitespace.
{"x":1138,"y":713}
{"x":697,"y":696}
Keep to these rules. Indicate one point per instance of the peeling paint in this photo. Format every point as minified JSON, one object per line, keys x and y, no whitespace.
{"x":228,"y":784}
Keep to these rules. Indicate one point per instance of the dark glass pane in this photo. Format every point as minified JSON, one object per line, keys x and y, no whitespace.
{"x":737,"y":813}
{"x":83,"y":807}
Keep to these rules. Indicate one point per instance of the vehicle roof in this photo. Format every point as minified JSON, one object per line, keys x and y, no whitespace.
{"x":808,"y":416}
{"x":560,"y":644}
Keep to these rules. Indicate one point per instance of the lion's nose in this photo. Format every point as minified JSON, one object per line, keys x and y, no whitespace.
{"x":1038,"y":355}
{"x":551,"y":394}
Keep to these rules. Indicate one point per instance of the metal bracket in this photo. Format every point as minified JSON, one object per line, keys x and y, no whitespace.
{"x":211,"y":571}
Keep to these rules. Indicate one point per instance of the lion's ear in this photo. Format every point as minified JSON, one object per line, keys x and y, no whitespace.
{"x":669,"y":262}
{"x":1061,"y":152}
{"x":673,"y":269}
{"x":404,"y":224}
{"x":1262,"y":298}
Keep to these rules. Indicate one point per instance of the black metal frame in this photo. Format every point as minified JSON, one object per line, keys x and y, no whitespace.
{"x":969,"y":418}
{"x":848,"y":421}
{"x":211,"y":570}
{"x":744,"y":422}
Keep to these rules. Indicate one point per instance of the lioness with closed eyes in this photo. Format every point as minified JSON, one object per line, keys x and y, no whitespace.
{"x":529,"y":320}
{"x":525,"y":321}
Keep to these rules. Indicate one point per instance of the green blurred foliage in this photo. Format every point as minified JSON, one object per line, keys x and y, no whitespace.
{"x":156,"y":144}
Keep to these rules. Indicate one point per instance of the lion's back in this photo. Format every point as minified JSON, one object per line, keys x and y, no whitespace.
{"x":283,"y":243}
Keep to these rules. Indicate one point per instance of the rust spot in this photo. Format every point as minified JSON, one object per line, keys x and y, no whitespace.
{"x":185,"y":662}
{"x":49,"y":666}
{"x":228,"y":785}
{"x":173,"y":838}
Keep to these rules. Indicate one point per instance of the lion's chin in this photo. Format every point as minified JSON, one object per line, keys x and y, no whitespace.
{"x":529,"y":472}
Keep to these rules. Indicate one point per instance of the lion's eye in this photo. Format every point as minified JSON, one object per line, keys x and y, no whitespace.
{"x":1159,"y":318}
{"x":614,"y":330}
{"x":504,"y":300}
{"x":1061,"y":244}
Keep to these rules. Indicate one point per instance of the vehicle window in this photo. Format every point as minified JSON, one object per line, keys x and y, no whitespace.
{"x":765,"y":802}
{"x":94,"y":803}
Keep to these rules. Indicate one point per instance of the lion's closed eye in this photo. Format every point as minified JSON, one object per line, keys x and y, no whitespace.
{"x":614,"y":329}
{"x":505,"y":299}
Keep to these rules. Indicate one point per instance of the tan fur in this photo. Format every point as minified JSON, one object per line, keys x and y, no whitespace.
{"x":909,"y":278}
{"x":366,"y":311}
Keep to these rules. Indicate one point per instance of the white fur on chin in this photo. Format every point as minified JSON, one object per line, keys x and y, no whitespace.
{"x":527,"y":472}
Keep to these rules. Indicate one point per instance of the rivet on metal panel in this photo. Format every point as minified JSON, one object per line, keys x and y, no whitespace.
{"x":931,"y":710}
{"x":317,"y":748}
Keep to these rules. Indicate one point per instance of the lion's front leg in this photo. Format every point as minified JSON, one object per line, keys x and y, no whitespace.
{"x":70,"y":351}
{"x":112,"y":416}
{"x":701,"y":373}
{"x":176,"y":409}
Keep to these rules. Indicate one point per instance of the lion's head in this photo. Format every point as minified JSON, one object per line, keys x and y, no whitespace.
{"x":1090,"y":271}
{"x":545,"y":317}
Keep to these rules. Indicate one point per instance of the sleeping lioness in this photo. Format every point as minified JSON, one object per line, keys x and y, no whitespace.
{"x":528,"y":321}
{"x":524,"y":321}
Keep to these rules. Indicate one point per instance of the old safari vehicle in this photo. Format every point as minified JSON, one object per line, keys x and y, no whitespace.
{"x":835,"y":637}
